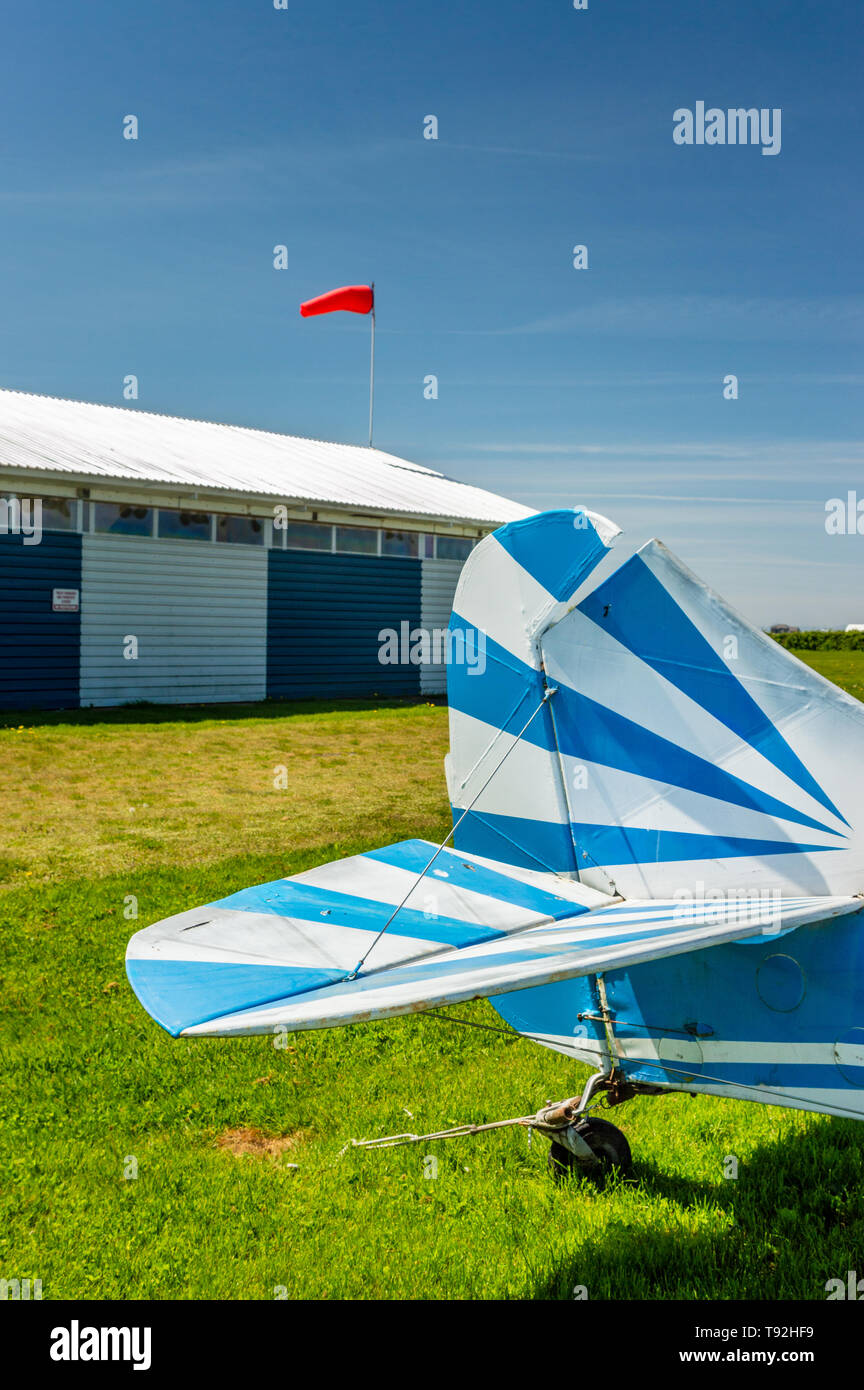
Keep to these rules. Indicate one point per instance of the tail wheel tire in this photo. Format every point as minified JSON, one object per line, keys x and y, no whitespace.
{"x":608,"y":1145}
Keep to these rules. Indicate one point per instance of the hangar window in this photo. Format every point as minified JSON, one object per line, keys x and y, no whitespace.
{"x":400,"y":543}
{"x":453,"y":547}
{"x":56,"y":513}
{"x":240,"y":530}
{"x":308,"y":535}
{"x":190,"y":526}
{"x":121,"y":519}
{"x":361,"y":540}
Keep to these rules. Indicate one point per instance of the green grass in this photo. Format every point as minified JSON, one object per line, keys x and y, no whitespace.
{"x":845,"y":669}
{"x":91,"y":1088}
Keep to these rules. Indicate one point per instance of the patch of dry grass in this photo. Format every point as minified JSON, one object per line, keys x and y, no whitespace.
{"x":118,"y":796}
{"x":250,"y":1142}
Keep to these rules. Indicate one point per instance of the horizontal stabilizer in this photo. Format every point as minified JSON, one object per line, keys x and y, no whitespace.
{"x":280,"y":956}
{"x":283,"y":939}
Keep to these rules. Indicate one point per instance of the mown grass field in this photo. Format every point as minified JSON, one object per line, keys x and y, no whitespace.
{"x":175,"y":808}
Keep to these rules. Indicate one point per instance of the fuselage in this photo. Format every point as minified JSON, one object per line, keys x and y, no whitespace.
{"x":779,"y":1022}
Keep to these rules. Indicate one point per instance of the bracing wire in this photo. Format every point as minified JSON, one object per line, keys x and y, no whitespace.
{"x":361,"y":962}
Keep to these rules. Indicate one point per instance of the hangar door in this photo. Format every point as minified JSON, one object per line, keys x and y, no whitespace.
{"x":197,"y":611}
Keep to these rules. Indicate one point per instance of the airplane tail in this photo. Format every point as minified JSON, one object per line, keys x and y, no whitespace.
{"x":615,"y":751}
{"x":644,"y":739}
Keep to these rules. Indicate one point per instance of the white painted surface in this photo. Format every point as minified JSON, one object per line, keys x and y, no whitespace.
{"x":198,"y":611}
{"x":111,"y":442}
{"x":438,"y":585}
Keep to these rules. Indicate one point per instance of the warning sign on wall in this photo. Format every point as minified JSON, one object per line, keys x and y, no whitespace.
{"x":65,"y":600}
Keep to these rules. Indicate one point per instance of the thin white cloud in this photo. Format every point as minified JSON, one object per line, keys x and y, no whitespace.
{"x":673,"y":314}
{"x":781,"y":449}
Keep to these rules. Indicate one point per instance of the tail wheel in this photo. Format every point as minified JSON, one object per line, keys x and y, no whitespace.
{"x":561,"y":1163}
{"x":606,"y":1142}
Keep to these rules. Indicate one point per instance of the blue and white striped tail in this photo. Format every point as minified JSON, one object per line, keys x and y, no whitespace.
{"x":644,"y":786}
{"x":679,"y":749}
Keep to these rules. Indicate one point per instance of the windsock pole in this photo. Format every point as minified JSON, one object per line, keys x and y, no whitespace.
{"x":354,"y":299}
{"x":372,"y":368}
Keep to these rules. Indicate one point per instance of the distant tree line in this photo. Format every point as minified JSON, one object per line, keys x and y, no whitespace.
{"x":812,"y":641}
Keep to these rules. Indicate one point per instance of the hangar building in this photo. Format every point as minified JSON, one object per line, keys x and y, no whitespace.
{"x":179,"y":561}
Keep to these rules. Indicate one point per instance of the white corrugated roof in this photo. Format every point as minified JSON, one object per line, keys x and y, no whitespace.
{"x":112,"y":442}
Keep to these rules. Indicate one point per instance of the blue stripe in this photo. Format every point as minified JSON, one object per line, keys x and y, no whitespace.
{"x":415,"y":855}
{"x":179,"y":994}
{"x":532,"y":843}
{"x":621,"y":844}
{"x":504,"y":695}
{"x":529,"y":844}
{"x":634,"y":608}
{"x":308,"y":903}
{"x":824,"y":1076}
{"x":589,"y":731}
{"x":557,"y":548}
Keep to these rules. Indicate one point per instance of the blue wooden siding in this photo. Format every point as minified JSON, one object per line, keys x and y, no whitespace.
{"x":39,"y":659}
{"x":324,"y":614}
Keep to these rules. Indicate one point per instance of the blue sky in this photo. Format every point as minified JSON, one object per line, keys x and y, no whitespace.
{"x":303,"y":127}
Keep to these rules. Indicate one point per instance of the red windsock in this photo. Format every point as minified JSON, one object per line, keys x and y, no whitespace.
{"x":358,"y":299}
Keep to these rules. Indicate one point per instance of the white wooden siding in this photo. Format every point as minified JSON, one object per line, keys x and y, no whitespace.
{"x":438,"y":585}
{"x":198,"y":610}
